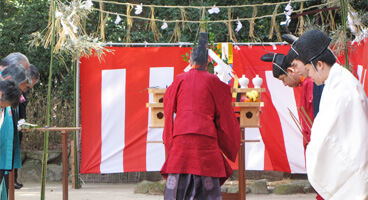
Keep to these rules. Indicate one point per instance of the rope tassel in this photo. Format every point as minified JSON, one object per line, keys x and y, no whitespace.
{"x":252,"y":21}
{"x":129,"y":23}
{"x":273,"y":22}
{"x":153,"y":26}
{"x":301,"y":20}
{"x":184,"y":18}
{"x":177,"y":33}
{"x":230,"y":28}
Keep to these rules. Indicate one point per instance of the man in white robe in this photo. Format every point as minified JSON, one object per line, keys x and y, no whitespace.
{"x":337,"y":155}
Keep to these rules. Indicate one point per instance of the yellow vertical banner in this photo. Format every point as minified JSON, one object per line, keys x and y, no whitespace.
{"x":230,"y":53}
{"x":227,"y":54}
{"x":231,"y":62}
{"x":236,"y":83}
{"x":219,"y":47}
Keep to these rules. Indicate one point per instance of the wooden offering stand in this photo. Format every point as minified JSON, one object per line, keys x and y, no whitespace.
{"x":249,"y":117}
{"x":157,"y":107}
{"x":249,"y":111}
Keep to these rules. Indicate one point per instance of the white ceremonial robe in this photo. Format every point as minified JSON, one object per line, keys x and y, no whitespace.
{"x":337,"y":155}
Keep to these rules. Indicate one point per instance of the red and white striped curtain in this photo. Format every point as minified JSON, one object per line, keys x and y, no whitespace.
{"x":115,"y":120}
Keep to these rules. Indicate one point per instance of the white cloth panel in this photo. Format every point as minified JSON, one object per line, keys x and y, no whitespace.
{"x":113,"y":92}
{"x":160,"y":77}
{"x":283,"y":98}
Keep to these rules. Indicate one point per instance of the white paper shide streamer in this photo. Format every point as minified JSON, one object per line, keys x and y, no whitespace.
{"x":58,"y":14}
{"x":214,"y":9}
{"x":355,"y":26}
{"x":238,"y":25}
{"x":273,"y":46}
{"x":88,"y":4}
{"x":138,"y":9}
{"x":118,"y":19}
{"x":288,"y":11}
{"x":222,"y":69}
{"x":164,"y":26}
{"x":75,"y":29}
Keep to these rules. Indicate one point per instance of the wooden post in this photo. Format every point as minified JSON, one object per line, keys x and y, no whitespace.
{"x":65,"y":164}
{"x":249,"y":117}
{"x":241,"y":162}
{"x":241,"y":169}
{"x":72,"y":158}
{"x":11,"y":185}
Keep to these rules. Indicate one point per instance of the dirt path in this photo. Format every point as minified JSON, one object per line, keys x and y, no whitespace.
{"x":121,"y":191}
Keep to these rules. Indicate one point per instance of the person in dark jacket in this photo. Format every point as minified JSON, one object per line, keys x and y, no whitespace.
{"x":35,"y":76}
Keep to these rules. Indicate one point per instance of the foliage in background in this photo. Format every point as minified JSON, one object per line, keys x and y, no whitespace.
{"x":140,"y":31}
{"x":20,"y":18}
{"x":70,"y":35}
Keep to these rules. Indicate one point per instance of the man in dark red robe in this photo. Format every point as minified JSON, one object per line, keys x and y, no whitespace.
{"x":203,"y":130}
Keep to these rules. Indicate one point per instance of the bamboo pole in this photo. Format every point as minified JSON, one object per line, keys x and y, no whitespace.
{"x":77,"y":122}
{"x":75,"y":172}
{"x":46,"y":136}
{"x":344,"y":7}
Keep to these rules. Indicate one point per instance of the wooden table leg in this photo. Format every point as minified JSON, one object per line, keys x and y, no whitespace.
{"x":65,"y":164}
{"x":72,"y":160}
{"x":11,"y":185}
{"x":241,"y":177}
{"x":241,"y":161}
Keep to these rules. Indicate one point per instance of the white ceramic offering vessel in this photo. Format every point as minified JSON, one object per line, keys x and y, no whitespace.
{"x":243,"y":81}
{"x":257,"y":81}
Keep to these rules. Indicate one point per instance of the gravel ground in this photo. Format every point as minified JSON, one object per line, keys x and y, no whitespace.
{"x":121,"y":191}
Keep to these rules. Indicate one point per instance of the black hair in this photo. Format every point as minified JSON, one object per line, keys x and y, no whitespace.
{"x":199,"y":55}
{"x":11,"y":92}
{"x":34,"y":73}
{"x":17,"y":72}
{"x":326,"y":56}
